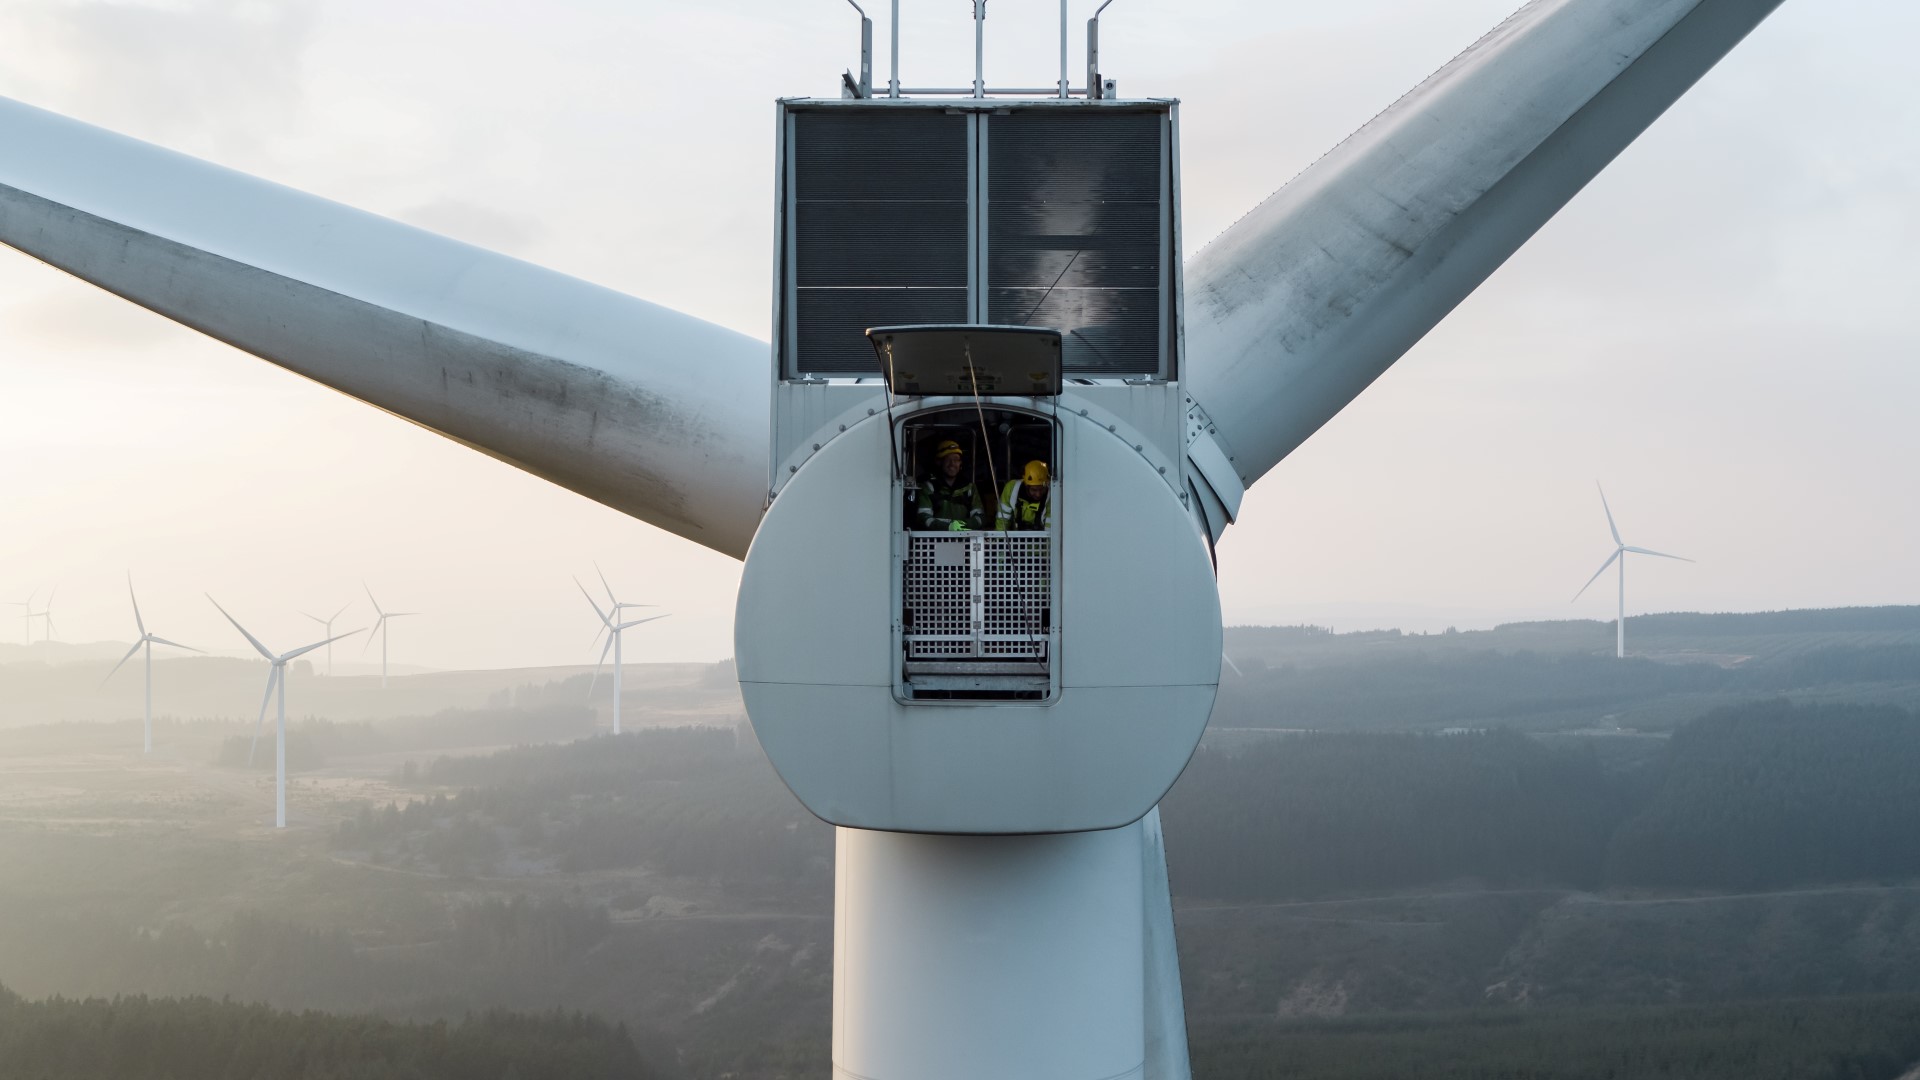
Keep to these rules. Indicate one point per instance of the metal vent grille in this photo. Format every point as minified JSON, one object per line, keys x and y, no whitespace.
{"x":977,"y":596}
{"x":880,"y":230}
{"x":1076,"y":222}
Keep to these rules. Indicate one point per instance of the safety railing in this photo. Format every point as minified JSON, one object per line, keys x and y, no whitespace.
{"x":977,"y":597}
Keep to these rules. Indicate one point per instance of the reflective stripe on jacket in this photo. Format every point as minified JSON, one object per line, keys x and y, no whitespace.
{"x":1021,"y":514}
{"x":938,"y":506}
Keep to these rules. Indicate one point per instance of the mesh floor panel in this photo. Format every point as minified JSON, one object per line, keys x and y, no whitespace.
{"x":977,"y":595}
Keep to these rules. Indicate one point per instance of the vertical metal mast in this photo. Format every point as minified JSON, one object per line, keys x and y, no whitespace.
{"x":979,"y":48}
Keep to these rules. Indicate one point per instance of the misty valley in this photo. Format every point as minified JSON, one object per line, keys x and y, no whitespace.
{"x":1465,"y":855}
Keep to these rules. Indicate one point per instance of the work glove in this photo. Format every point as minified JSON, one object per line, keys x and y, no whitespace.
{"x":957,"y":526}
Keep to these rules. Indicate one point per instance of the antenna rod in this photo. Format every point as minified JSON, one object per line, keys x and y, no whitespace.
{"x":1063,"y":48}
{"x":1094,"y":88}
{"x":893,"y":53}
{"x":979,"y":48}
{"x":863,"y":87}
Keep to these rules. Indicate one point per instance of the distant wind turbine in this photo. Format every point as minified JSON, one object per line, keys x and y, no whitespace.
{"x":327,"y":623}
{"x":45,"y":614}
{"x":26,"y":613}
{"x":611,"y":625}
{"x":276,"y":677}
{"x":147,"y":641}
{"x":1620,"y":550}
{"x":379,"y":627}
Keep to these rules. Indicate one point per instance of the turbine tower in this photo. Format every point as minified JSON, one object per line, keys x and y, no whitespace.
{"x":276,"y":678}
{"x":379,"y":627}
{"x":611,"y":626}
{"x":1620,"y":551}
{"x":147,"y":641}
{"x":990,"y":717}
{"x":45,"y":615}
{"x":26,"y":615}
{"x":326,"y":624}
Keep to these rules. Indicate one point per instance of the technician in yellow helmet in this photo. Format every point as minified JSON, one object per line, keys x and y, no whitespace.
{"x":948,"y":501}
{"x":1024,"y":504}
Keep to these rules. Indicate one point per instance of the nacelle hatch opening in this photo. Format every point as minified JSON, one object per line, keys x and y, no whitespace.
{"x":977,"y":556}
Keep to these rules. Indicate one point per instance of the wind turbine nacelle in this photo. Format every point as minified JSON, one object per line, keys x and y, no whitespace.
{"x":1086,"y":726}
{"x":979,"y":285}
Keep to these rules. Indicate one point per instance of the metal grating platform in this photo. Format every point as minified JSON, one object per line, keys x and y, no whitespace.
{"x":977,"y":596}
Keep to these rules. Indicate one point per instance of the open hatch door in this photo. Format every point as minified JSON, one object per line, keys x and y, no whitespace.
{"x":973,"y":360}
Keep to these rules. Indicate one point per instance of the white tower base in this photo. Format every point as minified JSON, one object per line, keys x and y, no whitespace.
{"x":962,"y":957}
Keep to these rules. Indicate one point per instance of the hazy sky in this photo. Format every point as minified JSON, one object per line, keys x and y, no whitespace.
{"x":1721,"y":328}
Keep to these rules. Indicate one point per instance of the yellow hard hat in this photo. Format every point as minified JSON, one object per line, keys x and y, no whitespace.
{"x":948,"y":447}
{"x":1036,"y":473}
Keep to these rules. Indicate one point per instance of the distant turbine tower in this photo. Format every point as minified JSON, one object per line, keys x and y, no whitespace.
{"x":26,"y":613}
{"x":147,"y":641}
{"x":45,"y":614}
{"x":1620,"y":550}
{"x":379,"y":627}
{"x":276,"y":677}
{"x":327,"y":623}
{"x":611,"y":625}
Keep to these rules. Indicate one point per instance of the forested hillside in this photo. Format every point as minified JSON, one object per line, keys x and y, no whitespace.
{"x":140,"y":1038}
{"x":1855,"y":1039}
{"x":1771,"y":795}
{"x":683,"y":800}
{"x":1313,"y":814}
{"x":1431,"y":688}
{"x":1763,"y":795}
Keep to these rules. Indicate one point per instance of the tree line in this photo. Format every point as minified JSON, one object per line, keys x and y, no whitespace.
{"x":688,"y":801}
{"x":313,"y":741}
{"x":141,"y":1038}
{"x":1763,"y":795}
{"x":1487,"y":688}
{"x":1858,"y":1038}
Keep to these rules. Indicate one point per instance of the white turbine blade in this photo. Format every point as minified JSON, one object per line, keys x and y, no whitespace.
{"x":397,"y":614}
{"x":254,"y":641}
{"x":1661,"y":554}
{"x":652,"y":412}
{"x":175,"y":644}
{"x":1310,"y":296}
{"x":1617,"y":542}
{"x":379,"y":626}
{"x":272,"y":677}
{"x":337,"y":614}
{"x":595,"y":681}
{"x":611,"y":602}
{"x":137,"y":620}
{"x":637,"y":622}
{"x":315,"y":618}
{"x":305,"y":649}
{"x":604,"y":617}
{"x":1231,"y":664}
{"x":371,"y":600}
{"x":1597,"y":573}
{"x":123,"y":660}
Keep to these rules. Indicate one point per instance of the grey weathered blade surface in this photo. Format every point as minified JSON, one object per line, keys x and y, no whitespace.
{"x":1294,"y":310}
{"x":652,"y":412}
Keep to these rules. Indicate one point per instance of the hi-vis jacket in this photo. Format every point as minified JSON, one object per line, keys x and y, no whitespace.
{"x":1021,"y":512}
{"x":940,"y":504}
